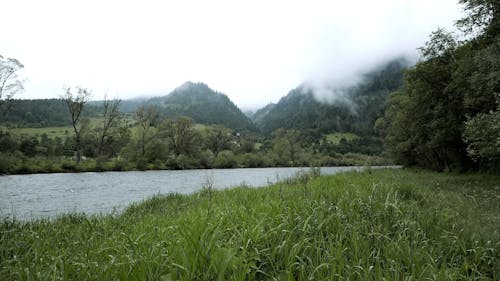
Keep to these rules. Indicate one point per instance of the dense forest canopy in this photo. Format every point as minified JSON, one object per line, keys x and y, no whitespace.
{"x":203,"y":105}
{"x":446,"y":115}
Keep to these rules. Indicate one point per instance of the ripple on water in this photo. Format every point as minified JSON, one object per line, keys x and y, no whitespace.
{"x":48,"y":195}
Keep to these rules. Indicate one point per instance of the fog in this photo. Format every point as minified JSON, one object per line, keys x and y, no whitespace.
{"x":254,"y":52}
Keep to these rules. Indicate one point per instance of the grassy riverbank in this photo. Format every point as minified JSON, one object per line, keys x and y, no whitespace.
{"x":18,"y":164}
{"x":372,"y":225}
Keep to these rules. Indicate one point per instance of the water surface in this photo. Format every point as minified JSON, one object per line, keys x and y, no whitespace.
{"x":48,"y":195}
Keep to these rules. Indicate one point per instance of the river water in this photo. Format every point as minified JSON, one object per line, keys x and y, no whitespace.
{"x":26,"y":197}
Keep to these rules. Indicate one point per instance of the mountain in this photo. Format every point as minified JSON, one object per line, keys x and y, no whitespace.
{"x":131,"y":105}
{"x":261,"y":113}
{"x":356,"y":112}
{"x":204,"y":105}
{"x":249,"y":113}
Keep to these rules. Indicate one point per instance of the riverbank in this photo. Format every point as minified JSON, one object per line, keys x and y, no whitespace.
{"x":366,"y":225}
{"x":50,"y":195}
{"x":16,"y":164}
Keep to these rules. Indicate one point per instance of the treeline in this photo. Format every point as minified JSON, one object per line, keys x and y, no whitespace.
{"x":164,"y":143}
{"x":41,"y":113}
{"x":151,"y":141}
{"x":195,"y":100}
{"x":447,"y":115}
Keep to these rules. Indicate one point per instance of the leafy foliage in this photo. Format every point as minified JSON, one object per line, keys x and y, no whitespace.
{"x":482,"y":134}
{"x":425,"y":123}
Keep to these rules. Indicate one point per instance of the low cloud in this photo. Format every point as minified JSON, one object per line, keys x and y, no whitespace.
{"x":254,"y":52}
{"x":356,"y":41}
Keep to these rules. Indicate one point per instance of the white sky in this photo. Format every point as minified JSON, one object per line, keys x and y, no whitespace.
{"x":253,"y":51}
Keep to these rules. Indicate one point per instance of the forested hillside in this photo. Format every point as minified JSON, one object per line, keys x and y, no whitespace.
{"x":262,"y":112}
{"x":41,"y":113}
{"x":355,"y":112}
{"x":194,"y":100}
{"x":447,"y":117}
{"x":203,"y":105}
{"x":196,"y":127}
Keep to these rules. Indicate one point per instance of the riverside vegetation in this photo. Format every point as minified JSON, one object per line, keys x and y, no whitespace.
{"x":195,"y":127}
{"x":370,"y":225}
{"x":171,"y":132}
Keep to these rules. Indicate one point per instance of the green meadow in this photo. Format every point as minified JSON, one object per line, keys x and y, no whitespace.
{"x":370,"y":225}
{"x":51,"y":132}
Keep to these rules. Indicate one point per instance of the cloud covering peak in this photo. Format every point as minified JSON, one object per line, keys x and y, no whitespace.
{"x":253,"y":51}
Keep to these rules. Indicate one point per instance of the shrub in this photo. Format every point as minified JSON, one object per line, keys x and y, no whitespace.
{"x":225,"y":159}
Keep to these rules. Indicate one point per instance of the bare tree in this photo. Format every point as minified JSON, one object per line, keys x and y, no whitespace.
{"x":9,"y":81}
{"x":76,"y":103}
{"x":145,"y":116}
{"x":111,"y":114}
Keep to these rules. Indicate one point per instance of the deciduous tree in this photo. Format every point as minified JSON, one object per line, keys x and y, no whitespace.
{"x":10,"y":84}
{"x":181,"y":135}
{"x":110,"y":116}
{"x":76,"y":103}
{"x":287,"y":145}
{"x":146,"y":116}
{"x":218,"y":138}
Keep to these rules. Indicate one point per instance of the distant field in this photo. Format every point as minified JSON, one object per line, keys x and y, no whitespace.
{"x":335,"y":138}
{"x":51,"y":132}
{"x":63,"y":131}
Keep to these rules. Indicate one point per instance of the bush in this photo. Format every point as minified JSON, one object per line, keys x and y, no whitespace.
{"x":141,"y":164}
{"x":184,"y":162}
{"x":250,"y":160}
{"x":225,"y":159}
{"x":68,"y":166}
{"x":482,"y":135}
{"x":206,"y":159}
{"x":119,"y":165}
{"x":8,"y":163}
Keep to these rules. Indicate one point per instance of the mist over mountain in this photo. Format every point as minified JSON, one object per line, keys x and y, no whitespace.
{"x":350,"y":109}
{"x":130,"y":105}
{"x":343,"y":109}
{"x":259,"y":114}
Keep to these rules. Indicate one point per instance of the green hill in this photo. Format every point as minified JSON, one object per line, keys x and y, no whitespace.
{"x":38,"y":113}
{"x":363,"y":104}
{"x":204,"y":105}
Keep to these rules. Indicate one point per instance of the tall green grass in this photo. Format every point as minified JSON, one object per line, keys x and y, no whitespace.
{"x":377,"y":225}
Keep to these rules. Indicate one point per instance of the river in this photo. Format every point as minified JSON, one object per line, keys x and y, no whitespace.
{"x":25,"y":197}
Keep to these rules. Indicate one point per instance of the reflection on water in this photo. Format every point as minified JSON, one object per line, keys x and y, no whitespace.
{"x":45,"y":195}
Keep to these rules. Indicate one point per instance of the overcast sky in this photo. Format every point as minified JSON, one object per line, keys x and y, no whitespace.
{"x":253,"y":51}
